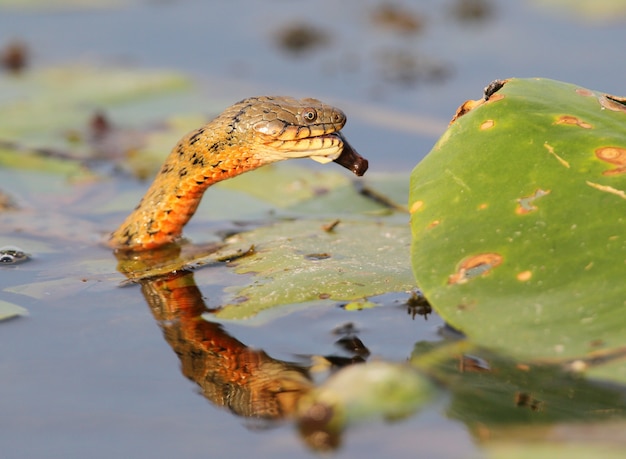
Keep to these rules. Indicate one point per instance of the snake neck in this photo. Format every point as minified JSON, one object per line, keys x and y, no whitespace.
{"x":202,"y":158}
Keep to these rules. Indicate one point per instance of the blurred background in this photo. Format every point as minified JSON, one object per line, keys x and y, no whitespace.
{"x":398,"y":68}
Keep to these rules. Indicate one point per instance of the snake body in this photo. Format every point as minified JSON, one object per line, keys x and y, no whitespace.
{"x":249,"y":134}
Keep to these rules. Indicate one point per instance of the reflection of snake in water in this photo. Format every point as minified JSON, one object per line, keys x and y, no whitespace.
{"x":247,"y":381}
{"x":247,"y":135}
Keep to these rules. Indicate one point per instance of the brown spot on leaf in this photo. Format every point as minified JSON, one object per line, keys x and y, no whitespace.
{"x":466,"y":107}
{"x":488,"y":124}
{"x":474,"y":266}
{"x":496,"y":97}
{"x":619,"y":100}
{"x":483,"y":206}
{"x":525,"y":204}
{"x":573,"y":121}
{"x":490,"y":94}
{"x":524,"y":276}
{"x":613,"y":103}
{"x":584,"y":92}
{"x":613,"y":155}
{"x":433,"y":224}
{"x":417,"y":205}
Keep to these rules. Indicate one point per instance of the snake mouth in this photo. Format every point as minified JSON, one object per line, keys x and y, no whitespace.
{"x":322,"y":148}
{"x":350,"y":159}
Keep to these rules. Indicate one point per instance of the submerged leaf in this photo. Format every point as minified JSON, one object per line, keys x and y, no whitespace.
{"x":10,"y":310}
{"x":359,"y":392}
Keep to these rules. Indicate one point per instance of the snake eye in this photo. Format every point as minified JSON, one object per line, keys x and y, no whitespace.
{"x":309,"y":115}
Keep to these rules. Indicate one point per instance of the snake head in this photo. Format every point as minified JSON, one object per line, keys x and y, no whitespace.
{"x":301,"y":128}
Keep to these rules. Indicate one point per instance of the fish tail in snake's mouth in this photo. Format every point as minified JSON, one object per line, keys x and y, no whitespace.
{"x":338,"y":151}
{"x":350,"y":159}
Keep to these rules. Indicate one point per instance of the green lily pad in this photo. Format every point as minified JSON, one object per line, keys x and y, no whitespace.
{"x":518,"y":219}
{"x":76,"y":113}
{"x":72,"y":94}
{"x":29,"y":160}
{"x":300,"y":261}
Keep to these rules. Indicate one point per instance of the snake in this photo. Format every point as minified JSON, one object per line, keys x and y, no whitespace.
{"x":247,"y":135}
